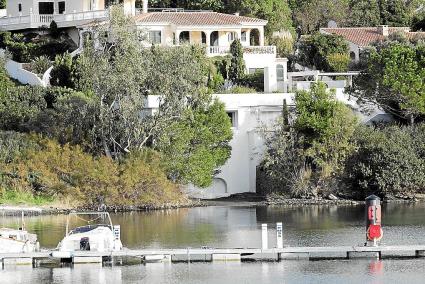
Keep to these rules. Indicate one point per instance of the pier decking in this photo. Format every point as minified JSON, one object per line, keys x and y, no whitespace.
{"x":235,"y":254}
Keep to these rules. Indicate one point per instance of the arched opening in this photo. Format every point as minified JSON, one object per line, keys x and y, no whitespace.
{"x":203,"y":38}
{"x":280,"y":72}
{"x":353,"y":55}
{"x":214,"y":38}
{"x":254,"y":37}
{"x":184,"y":37}
{"x":219,"y":186}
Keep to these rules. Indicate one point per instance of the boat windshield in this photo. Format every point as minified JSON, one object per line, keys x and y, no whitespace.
{"x":88,"y":228}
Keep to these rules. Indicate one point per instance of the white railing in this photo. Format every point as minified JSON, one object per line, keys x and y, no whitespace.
{"x":222,"y":50}
{"x":63,"y":20}
{"x":218,"y":50}
{"x":42,"y":19}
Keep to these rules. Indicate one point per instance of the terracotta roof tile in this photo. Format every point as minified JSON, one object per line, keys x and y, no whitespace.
{"x":365,"y":36}
{"x":196,"y":19}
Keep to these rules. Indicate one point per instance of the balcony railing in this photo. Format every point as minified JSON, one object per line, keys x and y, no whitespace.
{"x":223,"y":50}
{"x":63,"y":20}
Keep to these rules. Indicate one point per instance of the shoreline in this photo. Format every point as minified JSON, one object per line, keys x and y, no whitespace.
{"x":234,"y":200}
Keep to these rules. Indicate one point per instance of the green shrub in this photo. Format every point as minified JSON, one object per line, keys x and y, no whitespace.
{"x":306,"y":155}
{"x":254,"y":81}
{"x":51,"y":171}
{"x":222,"y":63}
{"x":338,"y":62}
{"x":40,"y":65}
{"x":25,"y":48}
{"x":53,"y":29}
{"x":284,"y":45}
{"x":388,"y":161}
{"x":315,"y":49}
{"x":62,"y":73}
{"x":240,"y":90}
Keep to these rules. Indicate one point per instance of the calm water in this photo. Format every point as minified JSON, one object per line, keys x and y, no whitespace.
{"x":239,"y":226}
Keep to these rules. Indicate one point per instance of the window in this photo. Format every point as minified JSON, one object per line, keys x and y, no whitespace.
{"x":61,"y":7}
{"x":155,"y":37}
{"x":45,"y":8}
{"x":231,"y":36}
{"x":233,"y":115}
{"x":243,"y":36}
{"x":280,"y":72}
{"x":353,"y":55}
{"x":20,"y":7}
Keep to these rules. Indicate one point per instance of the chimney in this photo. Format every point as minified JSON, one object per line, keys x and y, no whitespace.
{"x":145,"y":6}
{"x":383,"y":30}
{"x":237,"y":14}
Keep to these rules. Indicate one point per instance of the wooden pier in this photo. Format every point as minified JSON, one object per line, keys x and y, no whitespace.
{"x":236,"y":254}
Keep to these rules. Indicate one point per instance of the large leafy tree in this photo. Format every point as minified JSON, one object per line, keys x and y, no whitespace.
{"x":394,"y":79}
{"x":326,"y":125}
{"x":277,"y":13}
{"x":121,"y":75}
{"x":396,"y":12}
{"x":324,"y":52}
{"x":364,"y":13}
{"x":2,"y":4}
{"x":311,"y":15}
{"x":196,"y":144}
{"x":314,"y":146}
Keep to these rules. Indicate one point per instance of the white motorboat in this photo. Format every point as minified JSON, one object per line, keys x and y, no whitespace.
{"x":18,"y":240}
{"x":99,"y":237}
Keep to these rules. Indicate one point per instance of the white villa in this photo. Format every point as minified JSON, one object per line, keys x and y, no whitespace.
{"x":216,"y":31}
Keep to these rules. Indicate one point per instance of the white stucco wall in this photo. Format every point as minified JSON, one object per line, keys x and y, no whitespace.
{"x":12,"y":7}
{"x":354,"y":48}
{"x":15,"y":71}
{"x":239,"y":173}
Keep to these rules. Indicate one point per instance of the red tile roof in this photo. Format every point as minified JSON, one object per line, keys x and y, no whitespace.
{"x":365,"y":36}
{"x":197,"y":19}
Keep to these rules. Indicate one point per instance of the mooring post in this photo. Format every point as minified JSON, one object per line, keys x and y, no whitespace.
{"x":264,"y":235}
{"x":374,"y":231}
{"x":279,"y":235}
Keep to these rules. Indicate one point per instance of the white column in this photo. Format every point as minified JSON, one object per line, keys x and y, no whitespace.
{"x":55,"y":8}
{"x":208,"y":37}
{"x":248,"y":37}
{"x":177,"y":37}
{"x":239,"y":34}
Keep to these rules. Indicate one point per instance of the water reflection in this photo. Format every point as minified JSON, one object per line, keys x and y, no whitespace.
{"x":239,"y":226}
{"x":346,"y":271}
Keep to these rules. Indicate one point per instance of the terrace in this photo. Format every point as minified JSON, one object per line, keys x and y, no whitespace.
{"x":34,"y":21}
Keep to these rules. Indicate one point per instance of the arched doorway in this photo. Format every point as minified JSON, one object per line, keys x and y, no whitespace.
{"x":214,"y":38}
{"x":254,"y":37}
{"x":184,"y":37}
{"x":218,"y":187}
